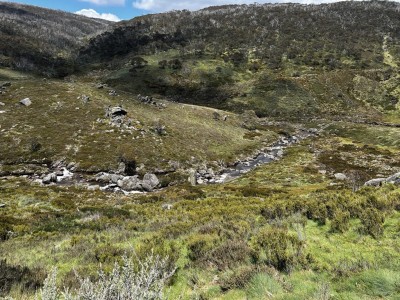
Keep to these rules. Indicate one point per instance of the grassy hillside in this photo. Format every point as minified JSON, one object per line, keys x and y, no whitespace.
{"x":42,"y":40}
{"x":61,"y":125}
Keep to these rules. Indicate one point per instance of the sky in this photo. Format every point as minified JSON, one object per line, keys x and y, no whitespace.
{"x":115,"y":10}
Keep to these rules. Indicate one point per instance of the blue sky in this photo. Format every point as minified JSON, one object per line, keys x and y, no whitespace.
{"x":115,"y":10}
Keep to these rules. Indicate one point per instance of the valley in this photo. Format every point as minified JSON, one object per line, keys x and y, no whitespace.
{"x":265,"y":166}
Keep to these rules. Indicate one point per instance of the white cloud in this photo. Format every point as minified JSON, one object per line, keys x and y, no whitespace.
{"x":166,"y":5}
{"x":91,"y":13}
{"x":106,"y":2}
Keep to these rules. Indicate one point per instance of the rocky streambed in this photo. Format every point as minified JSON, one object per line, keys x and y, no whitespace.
{"x":267,"y":155}
{"x":66,"y":174}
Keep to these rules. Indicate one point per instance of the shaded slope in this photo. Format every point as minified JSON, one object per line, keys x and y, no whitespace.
{"x":42,"y":40}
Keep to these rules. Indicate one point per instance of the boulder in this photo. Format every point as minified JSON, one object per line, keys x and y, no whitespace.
{"x":130,"y":183}
{"x":116,"y":111}
{"x":115,"y":177}
{"x":340,"y":176}
{"x":49,"y":178}
{"x":150,"y":182}
{"x":26,"y":102}
{"x":103,"y":177}
{"x":375,"y":182}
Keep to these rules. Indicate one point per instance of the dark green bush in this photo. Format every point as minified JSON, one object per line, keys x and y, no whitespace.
{"x":340,"y":222}
{"x":372,"y":221}
{"x":229,"y":254}
{"x":277,"y":247}
{"x":238,"y":278}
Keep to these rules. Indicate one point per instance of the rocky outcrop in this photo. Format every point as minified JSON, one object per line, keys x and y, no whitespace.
{"x":128,"y":183}
{"x":393,"y":179}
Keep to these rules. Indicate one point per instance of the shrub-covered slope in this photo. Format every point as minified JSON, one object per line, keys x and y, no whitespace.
{"x":282,"y":60}
{"x":42,"y":40}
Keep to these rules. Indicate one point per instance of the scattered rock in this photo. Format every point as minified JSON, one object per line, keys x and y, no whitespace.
{"x":375,"y":182}
{"x":340,"y":176}
{"x":49,"y":178}
{"x":26,"y":102}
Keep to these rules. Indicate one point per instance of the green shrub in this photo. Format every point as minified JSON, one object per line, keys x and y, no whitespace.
{"x":372,"y":221}
{"x":229,"y":254}
{"x":340,"y":222}
{"x":278,"y":248}
{"x":237,"y":279}
{"x":199,"y":246}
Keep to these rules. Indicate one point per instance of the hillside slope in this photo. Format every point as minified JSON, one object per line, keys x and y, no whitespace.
{"x":42,"y":40}
{"x":282,"y":60}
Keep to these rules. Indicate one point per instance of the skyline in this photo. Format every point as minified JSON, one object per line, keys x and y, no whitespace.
{"x":116,"y":10}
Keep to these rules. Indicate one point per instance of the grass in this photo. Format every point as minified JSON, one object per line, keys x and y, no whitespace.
{"x":288,"y":194}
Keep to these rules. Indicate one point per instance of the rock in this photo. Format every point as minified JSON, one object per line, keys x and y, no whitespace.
{"x":3,"y":205}
{"x":26,"y":102}
{"x":85,"y":99}
{"x":49,"y":178}
{"x":103,"y":177}
{"x":115,"y":177}
{"x":375,"y":182}
{"x":71,"y":166}
{"x":192,"y":177}
{"x":395,"y":178}
{"x":151,"y":179}
{"x":130,"y":183}
{"x":93,"y":187}
{"x":112,"y":93}
{"x":2,"y":104}
{"x":121,"y":168}
{"x":100,"y":86}
{"x":59,"y":173}
{"x":5,"y":84}
{"x":167,"y":206}
{"x":115,"y":112}
{"x":340,"y":176}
